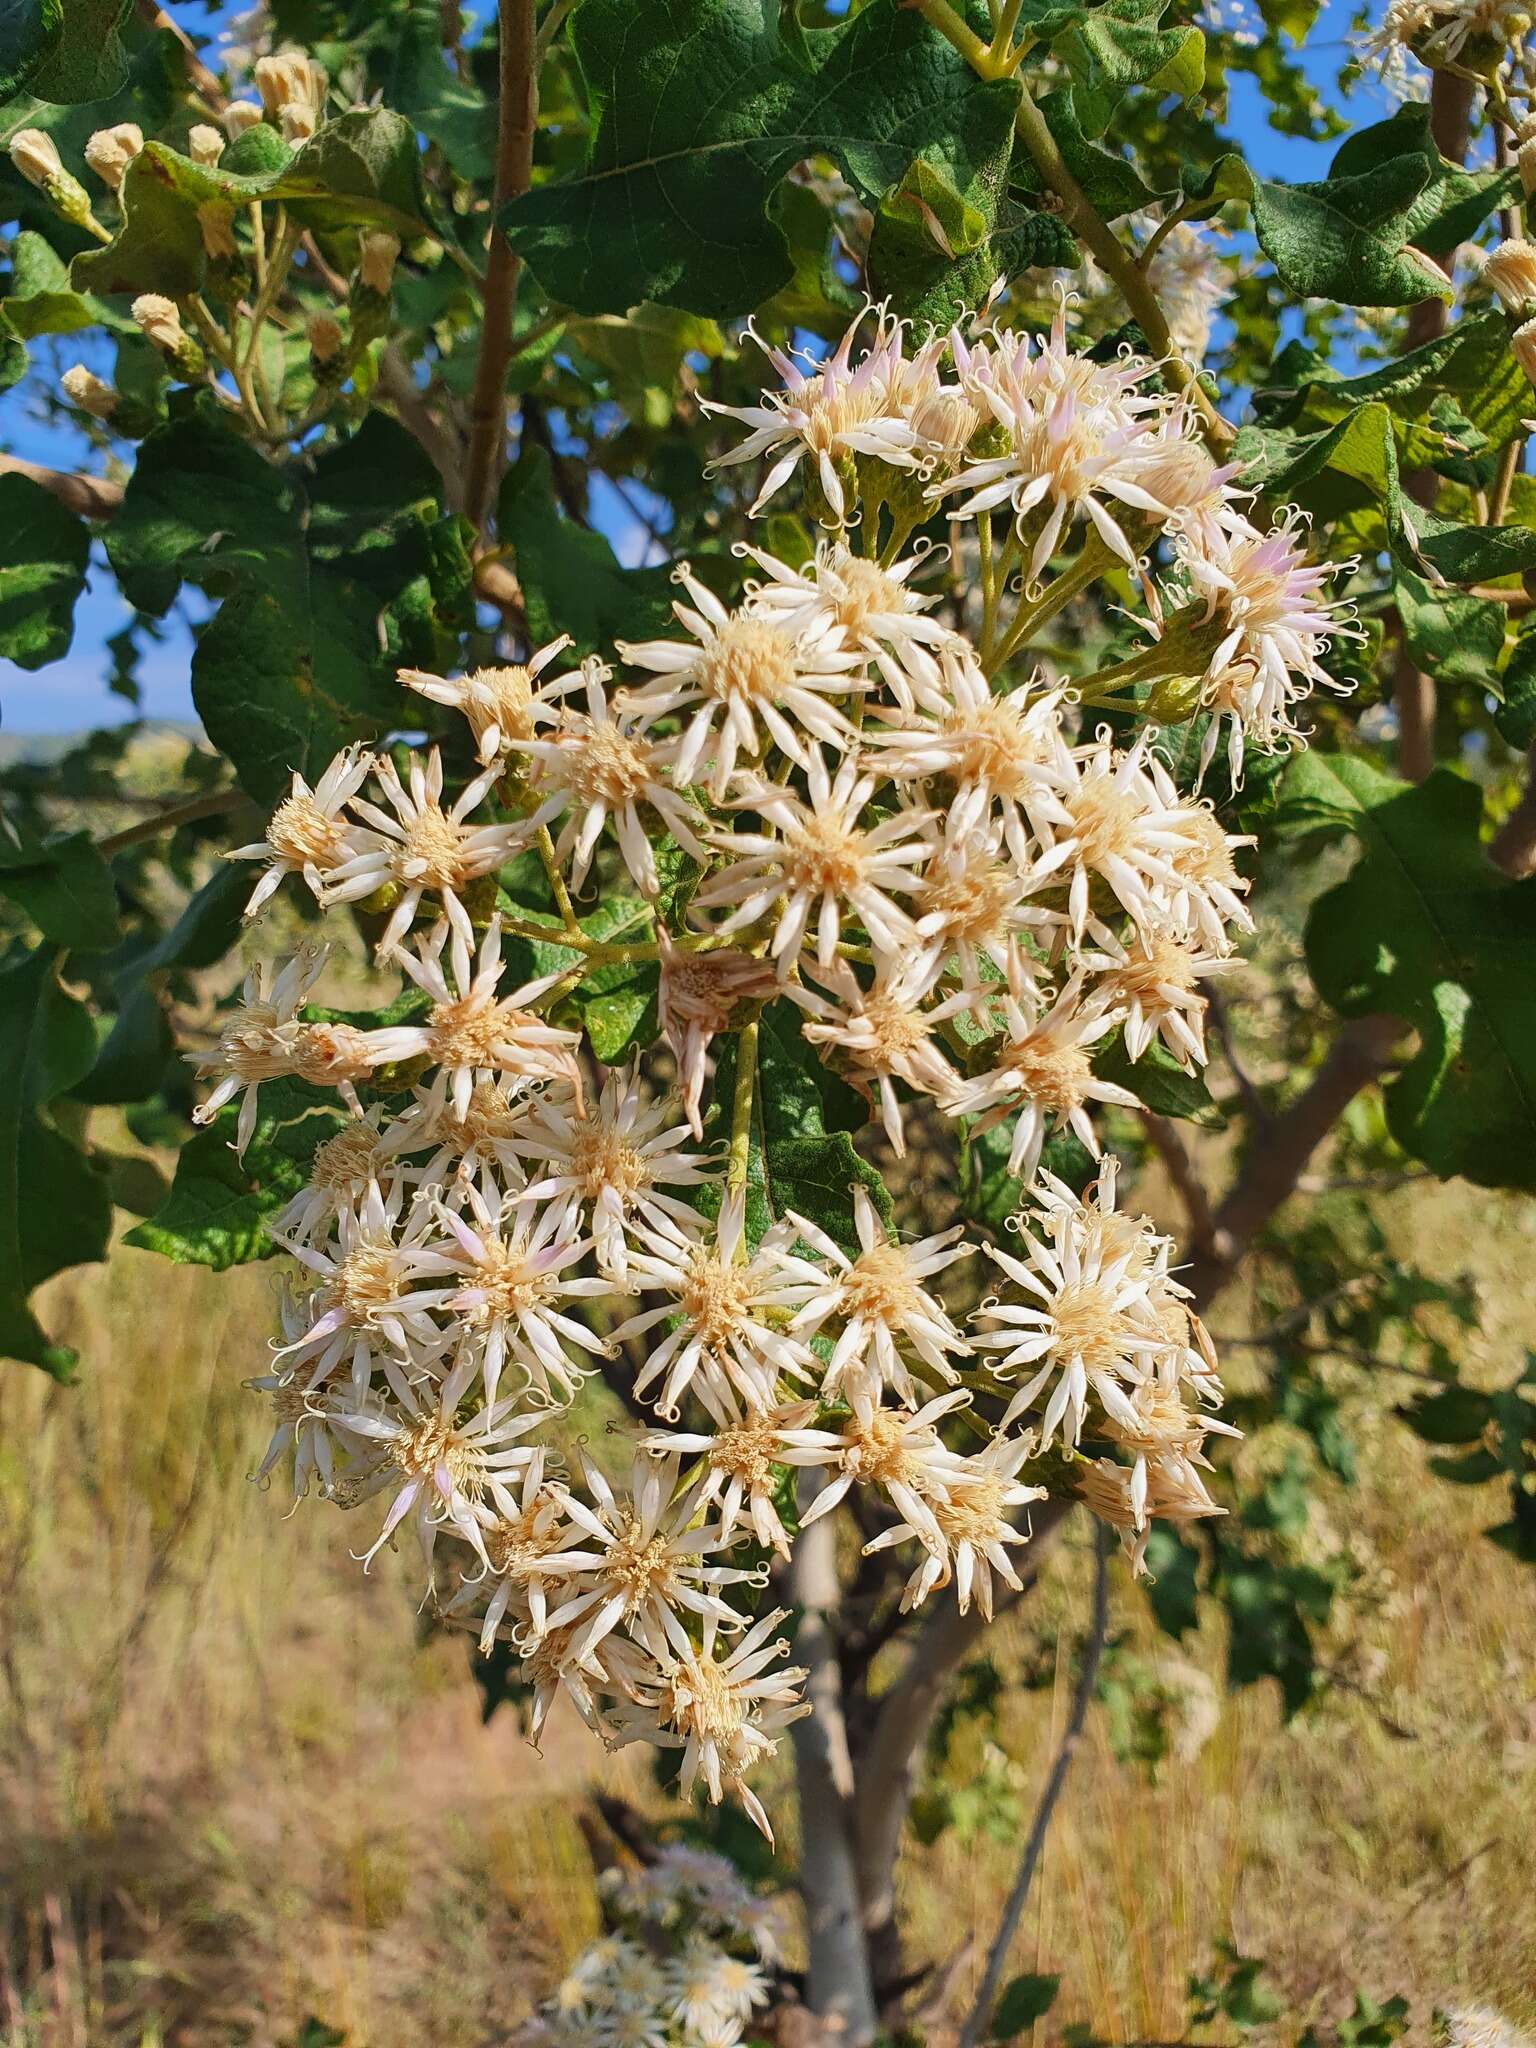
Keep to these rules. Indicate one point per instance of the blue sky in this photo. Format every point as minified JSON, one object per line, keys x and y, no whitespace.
{"x":72,"y":695}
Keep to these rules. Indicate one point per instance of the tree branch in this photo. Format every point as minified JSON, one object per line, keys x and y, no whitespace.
{"x":905,"y":1713}
{"x":92,"y":497}
{"x":1363,"y":1047}
{"x":514,"y":167}
{"x":1513,"y":846}
{"x":1185,"y":1181}
{"x":837,"y":1982}
{"x":986,"y":1992}
{"x":211,"y":806}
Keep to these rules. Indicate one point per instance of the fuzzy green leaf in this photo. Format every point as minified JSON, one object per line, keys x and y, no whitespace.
{"x":54,"y":1210}
{"x":46,"y":549}
{"x":66,"y":888}
{"x":703,"y":106}
{"x":571,"y":581}
{"x":28,"y":30}
{"x":1158,"y":1080}
{"x":1425,"y":928}
{"x":217,"y":1210}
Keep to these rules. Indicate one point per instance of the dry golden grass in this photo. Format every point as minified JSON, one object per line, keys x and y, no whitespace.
{"x":235,"y":1788}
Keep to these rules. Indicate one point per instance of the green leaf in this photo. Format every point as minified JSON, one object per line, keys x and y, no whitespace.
{"x":1453,"y":203}
{"x":66,"y":888}
{"x":450,"y":109}
{"x":1116,"y":47}
{"x":1516,"y":715}
{"x":1109,"y":181}
{"x":86,"y":61}
{"x":362,"y":167}
{"x":283,"y":678}
{"x":216,"y":1213}
{"x":703,"y":106}
{"x":28,"y":30}
{"x":1344,"y":237}
{"x":1458,"y":640}
{"x":931,"y":250}
{"x":204,"y":506}
{"x":41,"y":300}
{"x":1158,"y":1080}
{"x":1024,"y":2000}
{"x":54,"y":1211}
{"x":1173,"y":1589}
{"x":132,"y":1059}
{"x":618,"y":1008}
{"x":571,"y":581}
{"x":801,"y":1155}
{"x":1353,"y":463}
{"x":1425,"y":928}
{"x":46,"y":549}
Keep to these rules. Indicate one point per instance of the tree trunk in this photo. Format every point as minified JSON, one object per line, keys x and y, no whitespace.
{"x":838,"y":1988}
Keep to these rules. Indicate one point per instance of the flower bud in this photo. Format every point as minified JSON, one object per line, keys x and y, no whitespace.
{"x":205,"y":145}
{"x":34,"y":155}
{"x":159,"y":320}
{"x":216,"y":220}
{"x":111,"y":150}
{"x":292,"y":89}
{"x":240,"y":115}
{"x":298,"y":122}
{"x":1525,"y":160}
{"x":1522,"y":345}
{"x":82,"y":387}
{"x":1511,"y":271}
{"x":325,"y":338}
{"x":377,"y":251}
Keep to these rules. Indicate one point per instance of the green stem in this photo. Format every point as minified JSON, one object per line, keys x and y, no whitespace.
{"x":739,"y":1156}
{"x":1116,"y":261}
{"x":562,"y":895}
{"x":1075,"y":578}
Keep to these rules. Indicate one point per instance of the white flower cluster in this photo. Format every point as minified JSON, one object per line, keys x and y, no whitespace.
{"x":684,"y":1965}
{"x":954,"y":891}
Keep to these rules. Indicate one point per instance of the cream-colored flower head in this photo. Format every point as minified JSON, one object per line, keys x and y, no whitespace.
{"x":1511,"y":273}
{"x":323,"y":331}
{"x":377,"y":252}
{"x":159,"y":320}
{"x":1522,"y":346}
{"x":35,"y":156}
{"x":292,"y":88}
{"x":205,"y":145}
{"x":110,"y":151}
{"x":240,"y":115}
{"x":91,"y":393}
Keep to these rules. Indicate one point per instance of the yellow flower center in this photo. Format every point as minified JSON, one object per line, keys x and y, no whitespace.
{"x":715,"y":1298}
{"x":1089,"y":1326}
{"x":640,"y":1566}
{"x":433,"y":840}
{"x":507,"y":1282}
{"x":1106,"y":820}
{"x":351,"y":1156}
{"x":601,"y":1158}
{"x":365,"y":1281}
{"x":1051,"y":1072}
{"x":879,"y":1287}
{"x":304,"y":835}
{"x":502,"y":697}
{"x":602,"y":765}
{"x":747,"y":659}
